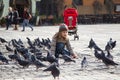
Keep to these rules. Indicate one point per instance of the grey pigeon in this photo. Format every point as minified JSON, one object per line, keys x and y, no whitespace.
{"x":84,"y":63}
{"x":54,"y":69}
{"x":8,"y":48}
{"x":108,"y":61}
{"x":98,"y":54}
{"x":91,"y":43}
{"x":67,"y":58}
{"x":109,"y":55}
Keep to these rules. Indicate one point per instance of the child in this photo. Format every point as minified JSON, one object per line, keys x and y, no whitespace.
{"x":61,"y":44}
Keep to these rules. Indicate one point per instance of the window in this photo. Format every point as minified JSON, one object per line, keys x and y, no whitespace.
{"x":1,"y":5}
{"x":47,"y":7}
{"x":78,"y":2}
{"x":117,"y":8}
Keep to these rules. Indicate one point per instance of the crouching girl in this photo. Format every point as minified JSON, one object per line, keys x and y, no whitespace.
{"x":61,"y":44}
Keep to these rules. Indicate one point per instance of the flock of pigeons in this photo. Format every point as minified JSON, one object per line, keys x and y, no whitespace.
{"x":33,"y":55}
{"x":104,"y":55}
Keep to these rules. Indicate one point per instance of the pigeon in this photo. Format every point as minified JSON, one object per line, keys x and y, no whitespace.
{"x":110,"y":45}
{"x":3,"y":58}
{"x":26,"y":54}
{"x":15,"y":44}
{"x":84,"y":63}
{"x":97,"y":54}
{"x":91,"y":43}
{"x":14,"y":56}
{"x":8,"y":48}
{"x":54,"y":70}
{"x":29,"y":42}
{"x":23,"y":63}
{"x":20,"y":41}
{"x":41,"y":58}
{"x":109,"y":55}
{"x":49,"y":40}
{"x":108,"y":61}
{"x":67,"y":58}
{"x":37,"y":63}
{"x":3,"y":40}
{"x":50,"y":58}
{"x":97,"y":48}
{"x":113,"y":44}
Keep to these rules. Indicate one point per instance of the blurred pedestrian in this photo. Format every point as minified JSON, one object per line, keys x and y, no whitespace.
{"x":15,"y":18}
{"x":26,"y":17}
{"x":9,"y":18}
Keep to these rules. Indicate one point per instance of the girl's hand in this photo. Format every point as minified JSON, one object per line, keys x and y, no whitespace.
{"x":74,"y":55}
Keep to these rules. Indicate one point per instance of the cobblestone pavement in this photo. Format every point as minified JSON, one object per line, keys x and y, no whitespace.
{"x":100,"y":33}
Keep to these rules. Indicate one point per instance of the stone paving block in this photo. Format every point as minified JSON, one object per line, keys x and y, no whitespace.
{"x":29,"y":79}
{"x":36,"y":79}
{"x":8,"y":79}
{"x":19,"y":79}
{"x":62,"y":78}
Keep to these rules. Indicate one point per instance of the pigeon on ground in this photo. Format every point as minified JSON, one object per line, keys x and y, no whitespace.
{"x":110,"y":45}
{"x":67,"y":58}
{"x":108,"y":61}
{"x":14,"y":56}
{"x":20,"y":41}
{"x":109,"y":55}
{"x":50,"y":58}
{"x":91,"y":43}
{"x":98,"y":54}
{"x":29,"y":42}
{"x":3,"y":58}
{"x":113,"y":44}
{"x":84,"y":63}
{"x":8,"y":48}
{"x":54,"y":70}
{"x":37,"y":63}
{"x":97,"y":48}
{"x":3,"y":40}
{"x":23,"y":63}
{"x":15,"y":44}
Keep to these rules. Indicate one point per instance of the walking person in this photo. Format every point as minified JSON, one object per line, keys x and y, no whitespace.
{"x":26,"y":17}
{"x":15,"y":18}
{"x":9,"y":18}
{"x":61,"y":44}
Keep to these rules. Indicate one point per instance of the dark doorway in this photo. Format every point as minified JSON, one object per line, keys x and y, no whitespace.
{"x":20,"y":4}
{"x":20,"y":9}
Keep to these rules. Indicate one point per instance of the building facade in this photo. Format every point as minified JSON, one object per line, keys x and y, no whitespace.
{"x":48,"y":9}
{"x":87,"y":7}
{"x":19,"y":4}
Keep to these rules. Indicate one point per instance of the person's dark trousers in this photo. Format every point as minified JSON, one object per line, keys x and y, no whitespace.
{"x":8,"y":23}
{"x":60,"y":49}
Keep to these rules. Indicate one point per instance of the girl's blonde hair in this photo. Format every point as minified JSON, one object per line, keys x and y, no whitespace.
{"x":58,"y":36}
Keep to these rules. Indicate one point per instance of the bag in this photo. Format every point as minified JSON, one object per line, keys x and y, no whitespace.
{"x":29,"y":16}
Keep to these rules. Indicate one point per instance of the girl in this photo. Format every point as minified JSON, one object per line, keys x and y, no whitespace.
{"x":61,"y":44}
